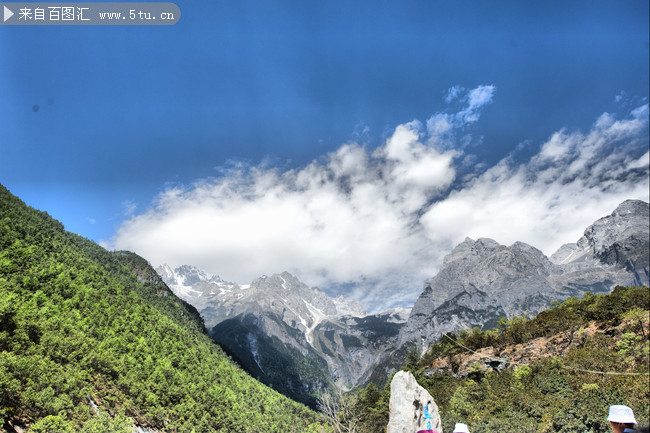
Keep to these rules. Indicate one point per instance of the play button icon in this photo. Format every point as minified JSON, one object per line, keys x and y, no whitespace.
{"x":7,"y":14}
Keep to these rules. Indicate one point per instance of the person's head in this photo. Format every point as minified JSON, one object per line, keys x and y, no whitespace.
{"x":620,"y":417}
{"x":461,"y":428}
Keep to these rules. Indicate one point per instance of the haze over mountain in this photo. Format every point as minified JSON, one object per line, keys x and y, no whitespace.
{"x":339,"y":148}
{"x":482,"y":280}
{"x":290,"y":336}
{"x":350,"y":145}
{"x":218,"y":300}
{"x":279,"y":317}
{"x":373,"y":224}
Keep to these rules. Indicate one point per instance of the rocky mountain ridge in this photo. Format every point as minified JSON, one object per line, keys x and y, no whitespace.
{"x":302,"y":341}
{"x":289,"y":335}
{"x":283,"y":293}
{"x":482,"y":280}
{"x":619,"y":240}
{"x":499,"y":358}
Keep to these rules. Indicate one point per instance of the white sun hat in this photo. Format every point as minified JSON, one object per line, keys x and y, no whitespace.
{"x":461,"y":428}
{"x":620,"y":413}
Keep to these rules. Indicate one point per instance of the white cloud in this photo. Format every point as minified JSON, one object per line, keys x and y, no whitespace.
{"x":453,"y":93}
{"x":477,"y":98}
{"x":128,"y":207}
{"x":378,"y":223}
{"x":550,"y":200}
{"x":442,"y":127}
{"x":480,"y":96}
{"x":440,"y":124}
{"x":350,"y":217}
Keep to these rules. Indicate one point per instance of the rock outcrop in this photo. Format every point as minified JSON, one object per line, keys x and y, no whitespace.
{"x":301,"y":341}
{"x":481,"y":281}
{"x":300,"y":306}
{"x":411,"y":407}
{"x":620,"y":240}
{"x":287,"y":334}
{"x":282,"y":327}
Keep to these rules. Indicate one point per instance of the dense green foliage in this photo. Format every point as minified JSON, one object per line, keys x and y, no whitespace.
{"x":551,"y":395}
{"x":286,"y":369}
{"x":568,"y":316}
{"x":93,"y":341}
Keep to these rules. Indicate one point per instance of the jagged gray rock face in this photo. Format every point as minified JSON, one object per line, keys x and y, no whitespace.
{"x":315,"y":325}
{"x":283,"y":294}
{"x":479,"y":282}
{"x":209,"y":294}
{"x":619,"y":239}
{"x":272,"y":324}
{"x":411,"y":407}
{"x":352,"y":345}
{"x":482,"y":280}
{"x":279,"y":326}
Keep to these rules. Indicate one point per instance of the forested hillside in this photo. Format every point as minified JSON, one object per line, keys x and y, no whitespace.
{"x":93,"y":341}
{"x":606,"y":362}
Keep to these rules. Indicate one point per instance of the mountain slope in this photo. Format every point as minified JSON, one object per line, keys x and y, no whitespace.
{"x":275,"y":322}
{"x":276,"y":354}
{"x":301,"y":341}
{"x":295,"y":338}
{"x":209,"y":294}
{"x":218,"y":300}
{"x":619,"y":240}
{"x":95,"y":341}
{"x":482,"y":280}
{"x":556,"y":372}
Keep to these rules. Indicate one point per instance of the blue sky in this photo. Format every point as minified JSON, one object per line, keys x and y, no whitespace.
{"x":114,"y":130}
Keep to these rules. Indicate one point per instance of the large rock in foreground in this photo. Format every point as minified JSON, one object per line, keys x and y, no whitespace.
{"x":411,"y":407}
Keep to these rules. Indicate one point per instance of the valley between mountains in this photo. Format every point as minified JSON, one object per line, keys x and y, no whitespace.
{"x":97,"y":341}
{"x":303,"y":343}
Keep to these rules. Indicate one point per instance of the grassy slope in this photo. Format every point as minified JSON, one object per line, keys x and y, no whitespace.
{"x":81,"y":326}
{"x":557,"y":394}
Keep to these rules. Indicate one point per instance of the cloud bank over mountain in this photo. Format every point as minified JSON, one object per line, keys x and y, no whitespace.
{"x":376,"y":223}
